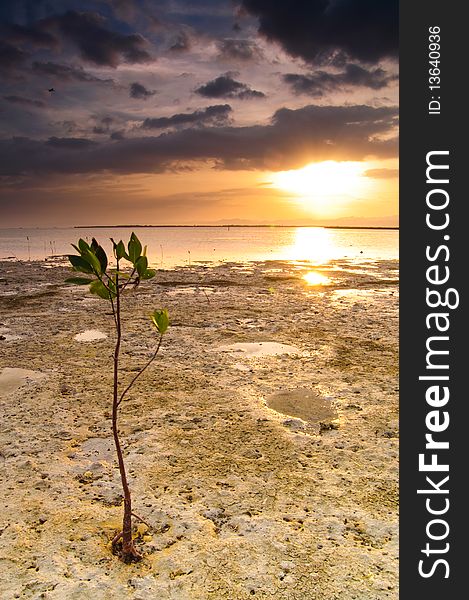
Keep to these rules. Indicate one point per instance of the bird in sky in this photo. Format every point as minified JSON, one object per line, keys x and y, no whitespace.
{"x":51,"y":90}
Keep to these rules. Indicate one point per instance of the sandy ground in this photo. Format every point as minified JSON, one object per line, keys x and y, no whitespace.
{"x":243,"y":501}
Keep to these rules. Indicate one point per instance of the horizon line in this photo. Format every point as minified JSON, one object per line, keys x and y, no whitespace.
{"x":235,"y":225}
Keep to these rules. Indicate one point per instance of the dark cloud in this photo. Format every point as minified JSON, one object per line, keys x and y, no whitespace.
{"x":21,"y":34}
{"x":226,"y":87}
{"x":97,"y":43}
{"x":212,"y":115}
{"x":239,"y":50}
{"x":139,"y":91}
{"x":316,"y":84}
{"x":67,"y":72}
{"x":117,"y":135}
{"x":103,"y":125}
{"x":313,"y":30}
{"x":181,"y":42}
{"x":25,"y":101}
{"x":294,"y":138}
{"x":70,"y":143}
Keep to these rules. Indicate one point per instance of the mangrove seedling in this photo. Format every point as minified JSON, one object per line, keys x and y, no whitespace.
{"x":109,"y":283}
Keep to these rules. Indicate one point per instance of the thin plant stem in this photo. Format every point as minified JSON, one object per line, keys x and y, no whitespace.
{"x":142,"y":520}
{"x":129,"y":552}
{"x":141,"y":371}
{"x":129,"y":279}
{"x":113,"y":311}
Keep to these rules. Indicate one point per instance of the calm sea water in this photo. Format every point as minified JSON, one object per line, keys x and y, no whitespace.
{"x":171,"y":246}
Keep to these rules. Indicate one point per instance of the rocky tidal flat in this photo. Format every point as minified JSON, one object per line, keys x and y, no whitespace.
{"x":261,"y":445}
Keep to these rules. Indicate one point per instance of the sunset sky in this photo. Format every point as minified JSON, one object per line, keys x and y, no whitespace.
{"x":194,"y":112}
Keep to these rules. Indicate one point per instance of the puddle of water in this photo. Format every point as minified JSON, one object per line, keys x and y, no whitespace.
{"x":302,"y":403}
{"x":260,"y":349}
{"x":11,"y":379}
{"x":90,"y":335}
{"x":5,"y":336}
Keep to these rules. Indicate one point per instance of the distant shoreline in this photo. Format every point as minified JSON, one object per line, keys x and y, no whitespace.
{"x":233,"y":225}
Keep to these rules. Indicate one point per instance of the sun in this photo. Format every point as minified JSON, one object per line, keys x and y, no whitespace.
{"x":322,"y":182}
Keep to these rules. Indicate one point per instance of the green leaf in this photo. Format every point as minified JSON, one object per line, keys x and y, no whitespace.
{"x":135,"y":248}
{"x":120,"y":251}
{"x":93,"y":260}
{"x":160,"y":319}
{"x":94,"y":245}
{"x":78,"y":280}
{"x":149,"y":274}
{"x":141,"y":265}
{"x":98,"y":288}
{"x":80,"y":264}
{"x":83,"y":246}
{"x":101,"y":256}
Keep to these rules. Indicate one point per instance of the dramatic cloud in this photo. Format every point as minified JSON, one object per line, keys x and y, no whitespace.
{"x":25,"y":101}
{"x":293,"y":138}
{"x":239,"y":50}
{"x":208,"y":87}
{"x":66,"y":72}
{"x":97,"y":43}
{"x":212,"y":115}
{"x":315,"y":30}
{"x":226,"y":87}
{"x":320,"y":82}
{"x":139,"y":91}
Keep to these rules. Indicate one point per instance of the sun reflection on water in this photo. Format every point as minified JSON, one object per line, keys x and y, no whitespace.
{"x":315,"y":278}
{"x":312,"y":244}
